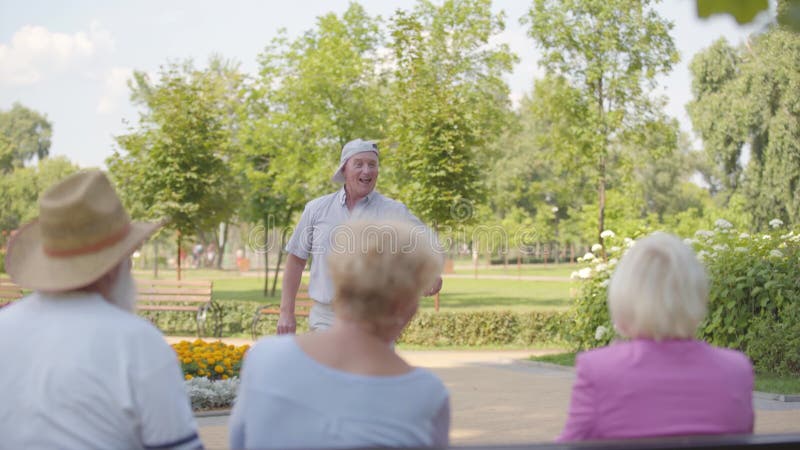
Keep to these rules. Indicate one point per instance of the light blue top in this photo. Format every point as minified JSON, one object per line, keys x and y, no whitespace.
{"x":323,"y":216}
{"x":289,"y":400}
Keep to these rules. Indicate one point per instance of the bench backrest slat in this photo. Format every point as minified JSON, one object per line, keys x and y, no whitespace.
{"x":174,"y":291}
{"x":168,"y":291}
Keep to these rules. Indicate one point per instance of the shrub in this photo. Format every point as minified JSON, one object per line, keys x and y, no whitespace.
{"x":427,"y":328}
{"x":589,"y":323}
{"x":484,"y":328}
{"x":753,"y":300}
{"x":237,"y":317}
{"x":751,"y":276}
{"x":774,"y":343}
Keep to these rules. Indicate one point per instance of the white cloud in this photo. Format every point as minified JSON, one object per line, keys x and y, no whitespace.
{"x":35,"y":52}
{"x":115,"y":89}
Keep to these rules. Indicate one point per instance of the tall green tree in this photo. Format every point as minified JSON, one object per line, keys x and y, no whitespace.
{"x":24,"y":134}
{"x":609,"y":53}
{"x":175,"y":160}
{"x":448,"y":102}
{"x":20,"y":191}
{"x":746,"y":104}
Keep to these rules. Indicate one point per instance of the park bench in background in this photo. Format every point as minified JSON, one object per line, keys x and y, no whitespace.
{"x":191,"y":296}
{"x":9,"y":291}
{"x":302,"y":307}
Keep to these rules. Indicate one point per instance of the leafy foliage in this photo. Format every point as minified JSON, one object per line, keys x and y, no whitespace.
{"x":602,"y":57}
{"x":24,"y":134}
{"x":448,"y":101}
{"x":753,"y":301}
{"x":20,"y":191}
{"x":746,"y":100}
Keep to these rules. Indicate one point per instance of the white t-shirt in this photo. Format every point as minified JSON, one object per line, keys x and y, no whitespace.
{"x":78,"y":372}
{"x":289,"y":400}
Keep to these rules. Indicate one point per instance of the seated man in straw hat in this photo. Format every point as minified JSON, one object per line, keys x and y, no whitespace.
{"x":80,"y":370}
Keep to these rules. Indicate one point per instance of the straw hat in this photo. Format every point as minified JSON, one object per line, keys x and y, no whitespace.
{"x":82,"y":232}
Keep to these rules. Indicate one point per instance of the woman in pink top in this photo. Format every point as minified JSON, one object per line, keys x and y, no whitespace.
{"x":662,"y":381}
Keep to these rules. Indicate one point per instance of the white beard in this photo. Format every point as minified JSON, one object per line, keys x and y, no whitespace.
{"x":123,"y":292}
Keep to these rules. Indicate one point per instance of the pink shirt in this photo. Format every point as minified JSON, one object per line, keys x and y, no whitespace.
{"x":644,"y":388}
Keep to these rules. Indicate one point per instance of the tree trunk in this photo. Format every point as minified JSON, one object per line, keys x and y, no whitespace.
{"x":266,"y":257}
{"x":221,"y":248}
{"x":601,"y":182}
{"x":278,"y":267}
{"x":179,"y":255}
{"x":155,"y":259}
{"x":601,"y":199}
{"x":280,"y":251}
{"x":475,"y":257}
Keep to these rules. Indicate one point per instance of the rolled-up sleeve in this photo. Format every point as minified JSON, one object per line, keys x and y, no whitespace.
{"x":302,"y":238}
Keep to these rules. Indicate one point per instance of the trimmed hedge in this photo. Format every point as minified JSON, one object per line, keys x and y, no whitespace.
{"x":237,"y":316}
{"x":466,"y":328}
{"x":470,"y":328}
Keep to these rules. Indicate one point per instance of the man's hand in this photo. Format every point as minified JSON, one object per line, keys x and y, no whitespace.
{"x":287,"y":323}
{"x":437,"y":286}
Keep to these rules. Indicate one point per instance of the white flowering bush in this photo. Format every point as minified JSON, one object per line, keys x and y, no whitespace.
{"x":207,"y":394}
{"x":754,"y":300}
{"x":590,"y":325}
{"x":754,"y":289}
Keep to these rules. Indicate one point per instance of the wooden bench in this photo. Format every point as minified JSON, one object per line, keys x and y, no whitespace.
{"x":192,"y":296}
{"x":9,"y":291}
{"x":302,"y":307}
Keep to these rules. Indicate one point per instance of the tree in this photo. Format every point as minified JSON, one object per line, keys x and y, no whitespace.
{"x":24,"y":134}
{"x":448,"y":102}
{"x":20,"y":191}
{"x":745,"y":101}
{"x":607,"y":54}
{"x":176,"y":158}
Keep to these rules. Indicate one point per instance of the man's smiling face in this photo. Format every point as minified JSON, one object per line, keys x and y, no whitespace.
{"x":360,"y":174}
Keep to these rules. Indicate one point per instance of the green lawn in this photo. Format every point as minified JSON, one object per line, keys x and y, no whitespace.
{"x":458,"y":294}
{"x":777,"y":384}
{"x":545,"y":270}
{"x":763,"y":382}
{"x":562,"y":359}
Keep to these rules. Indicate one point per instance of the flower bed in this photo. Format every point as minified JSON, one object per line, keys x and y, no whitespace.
{"x":206,"y":394}
{"x":214,"y":361}
{"x":211,"y":371}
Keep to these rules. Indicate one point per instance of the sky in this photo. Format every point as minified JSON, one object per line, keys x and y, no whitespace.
{"x":71,"y":60}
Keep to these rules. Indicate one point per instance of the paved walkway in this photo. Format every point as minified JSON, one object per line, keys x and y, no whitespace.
{"x":498,"y":398}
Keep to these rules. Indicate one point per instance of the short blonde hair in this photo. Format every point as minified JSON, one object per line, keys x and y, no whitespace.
{"x":375,"y":264}
{"x":659,"y":290}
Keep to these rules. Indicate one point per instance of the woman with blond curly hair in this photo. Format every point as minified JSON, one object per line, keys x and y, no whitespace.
{"x":346,"y":387}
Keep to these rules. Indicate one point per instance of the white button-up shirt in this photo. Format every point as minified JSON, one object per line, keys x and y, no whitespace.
{"x":320,"y":219}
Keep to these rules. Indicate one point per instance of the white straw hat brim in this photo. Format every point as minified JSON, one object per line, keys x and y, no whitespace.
{"x":32,"y":268}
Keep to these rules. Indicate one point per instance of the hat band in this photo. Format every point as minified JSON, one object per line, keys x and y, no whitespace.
{"x":92,"y":248}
